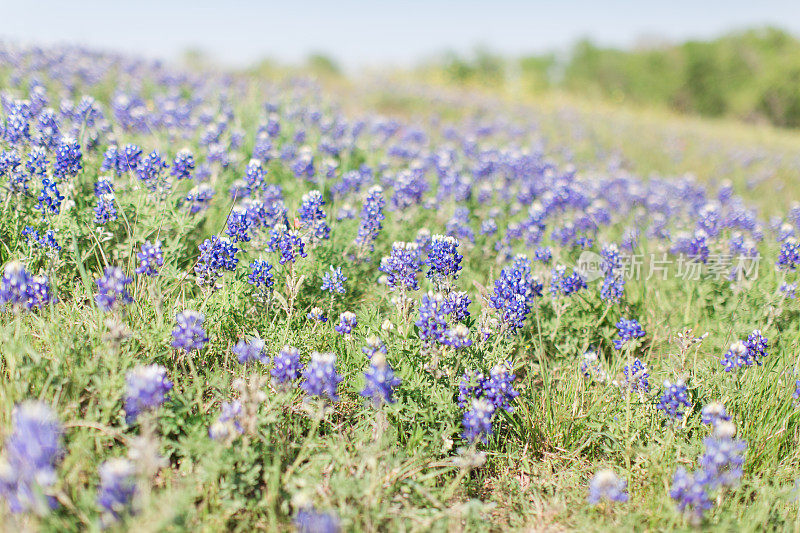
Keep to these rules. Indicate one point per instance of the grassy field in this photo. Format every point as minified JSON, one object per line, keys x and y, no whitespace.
{"x":242,"y":447}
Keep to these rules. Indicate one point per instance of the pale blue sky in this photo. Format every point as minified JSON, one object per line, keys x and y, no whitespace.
{"x":373,"y":33}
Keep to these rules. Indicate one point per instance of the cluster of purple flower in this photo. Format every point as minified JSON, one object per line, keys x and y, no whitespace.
{"x":720,"y":466}
{"x":20,"y":290}
{"x":514,"y":293}
{"x":188,"y":334}
{"x":216,"y":256}
{"x":606,"y":485}
{"x":112,"y":292}
{"x":333,"y":281}
{"x":288,"y":243}
{"x":371,"y":218}
{"x":482,"y":395}
{"x":117,"y":488}
{"x":380,"y":380}
{"x":150,"y":258}
{"x":674,"y":399}
{"x":444,"y":261}
{"x":30,"y":455}
{"x":147,"y":388}
{"x":628,"y":331}
{"x":320,"y":377}
{"x":312,"y":216}
{"x":251,"y":351}
{"x":745,"y":353}
{"x":401,"y":266}
{"x":347,"y":321}
{"x":563,"y":284}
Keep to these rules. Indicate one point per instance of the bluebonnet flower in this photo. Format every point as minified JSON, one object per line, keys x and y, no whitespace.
{"x":789,"y":256}
{"x":636,"y":377}
{"x":432,"y":322}
{"x":374,"y":346}
{"x":674,"y":399}
{"x":183,"y":165}
{"x":229,"y":421}
{"x":288,"y":243}
{"x":250,"y":351}
{"x":745,"y":353}
{"x":30,"y":455}
{"x":697,"y":247}
{"x":488,"y":227}
{"x":68,"y":159}
{"x":36,"y":164}
{"x":543,"y":254}
{"x":401,"y":266}
{"x":690,"y":492}
{"x":628,"y":330}
{"x":606,"y":485}
{"x":736,"y":357}
{"x":333,"y":281}
{"x":380,"y":380}
{"x":50,"y":198}
{"x":49,"y":131}
{"x":254,"y":176}
{"x":216,"y":256}
{"x":312,"y":216}
{"x":303,"y":165}
{"x":499,"y":387}
{"x":150,"y":170}
{"x":128,"y":160}
{"x":17,"y":129}
{"x":320,"y":377}
{"x":105,"y":210}
{"x":238,"y":224}
{"x":103,"y":185}
{"x":371,"y":218}
{"x":756,"y":345}
{"x":796,"y":394}
{"x":188,"y":333}
{"x":199,"y":198}
{"x":112,"y":292}
{"x":470,"y":387}
{"x":423,"y":240}
{"x":514,"y":293}
{"x":722,"y":460}
{"x":477,"y":420}
{"x":150,"y":258}
{"x":443,"y":260}
{"x":9,"y":162}
{"x":457,"y":337}
{"x":286,"y":366}
{"x":308,"y":520}
{"x":563,"y":284}
{"x":713,"y":413}
{"x":15,"y":284}
{"x":613,"y":288}
{"x":789,"y":290}
{"x":260,"y":276}
{"x":317,"y":314}
{"x":347,"y":321}
{"x":457,"y":305}
{"x":117,"y":487}
{"x":46,"y":240}
{"x":147,"y":388}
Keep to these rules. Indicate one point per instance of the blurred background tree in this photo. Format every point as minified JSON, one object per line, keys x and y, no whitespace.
{"x":753,"y":75}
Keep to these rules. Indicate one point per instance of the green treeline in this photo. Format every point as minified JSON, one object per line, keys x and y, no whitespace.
{"x":753,"y":75}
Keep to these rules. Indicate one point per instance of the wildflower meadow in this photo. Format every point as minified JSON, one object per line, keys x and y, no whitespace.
{"x":239,"y":300}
